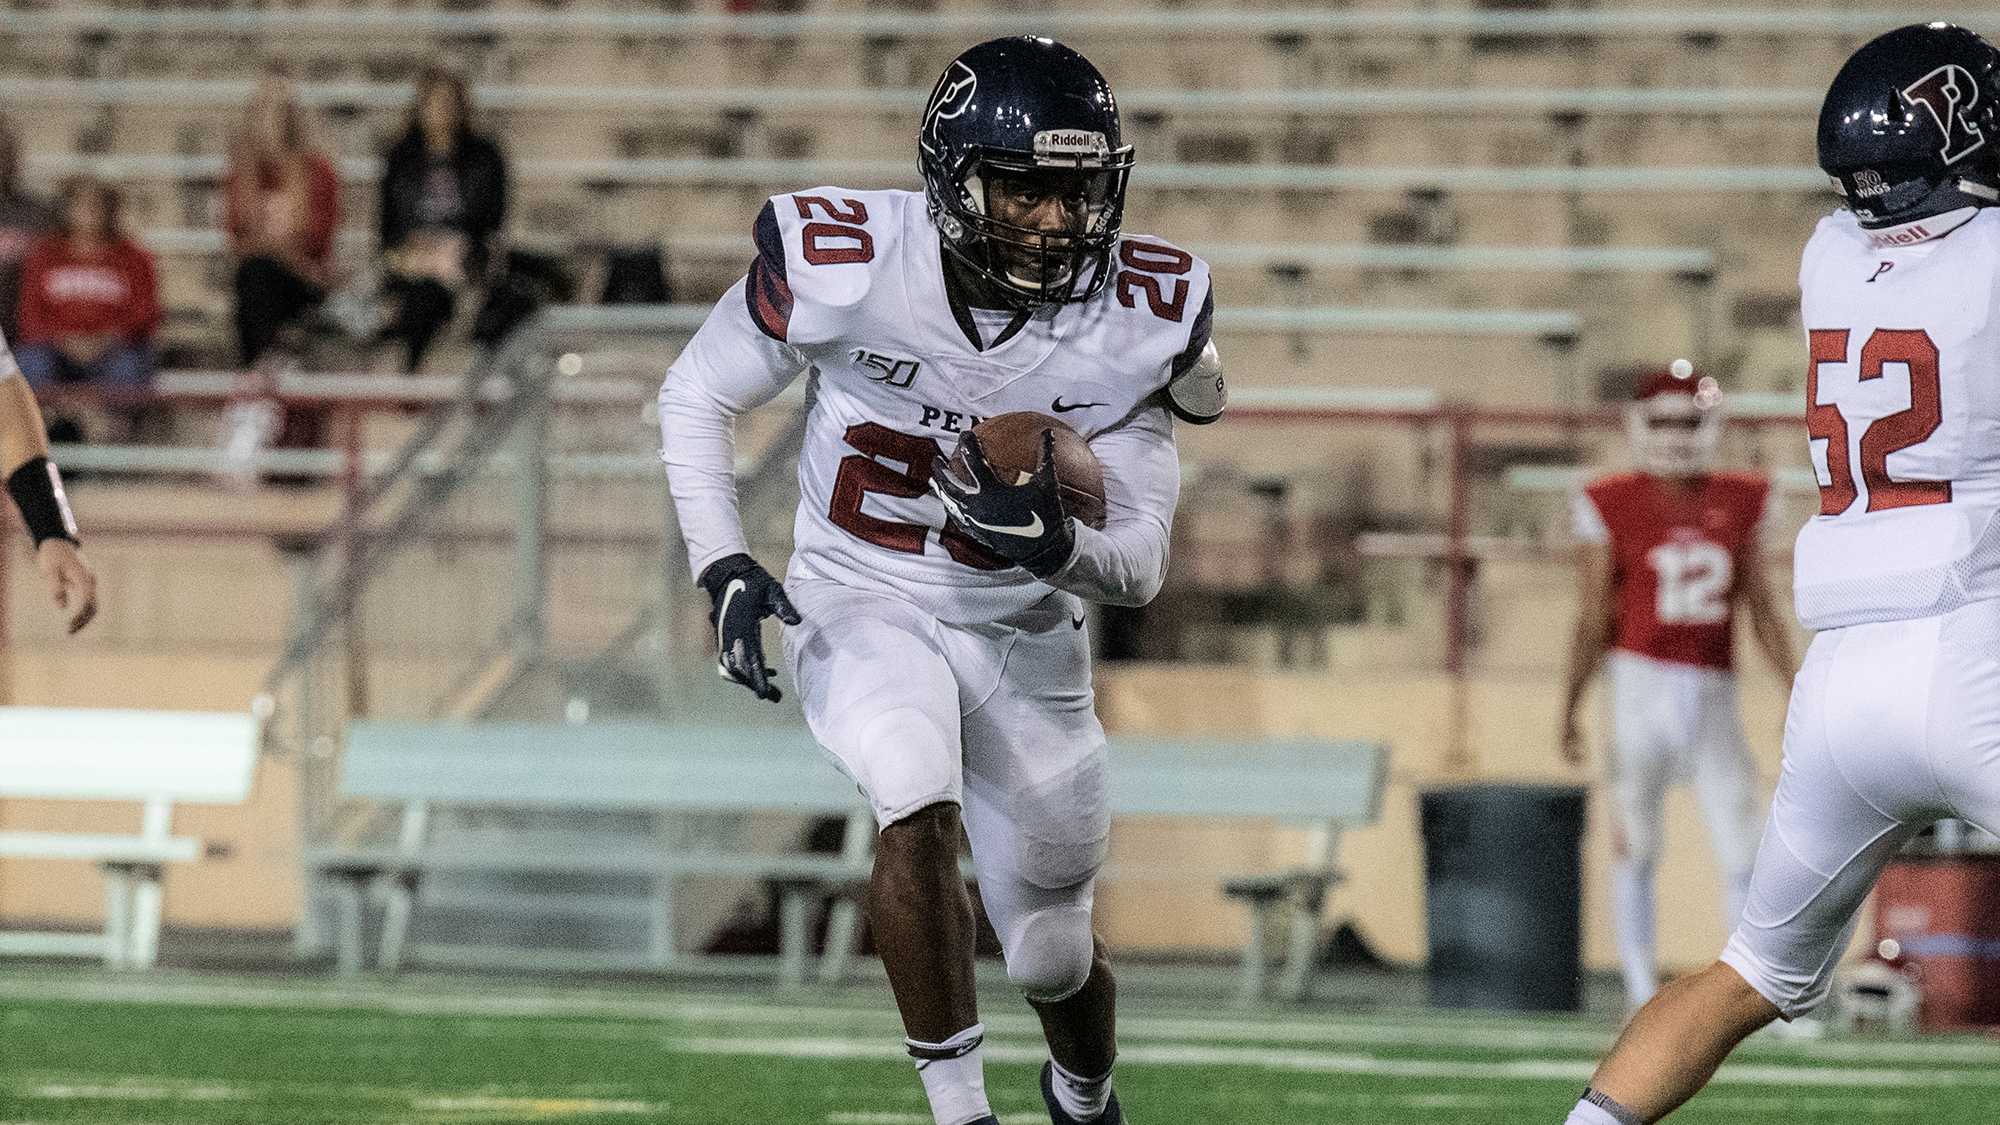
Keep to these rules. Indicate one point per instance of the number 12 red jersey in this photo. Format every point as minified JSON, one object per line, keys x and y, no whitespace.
{"x":1675,"y":559}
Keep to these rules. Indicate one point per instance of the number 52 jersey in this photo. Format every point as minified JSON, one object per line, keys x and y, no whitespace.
{"x":848,"y":289}
{"x":1903,"y":413}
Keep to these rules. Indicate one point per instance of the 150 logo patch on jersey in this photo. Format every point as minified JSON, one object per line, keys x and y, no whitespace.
{"x":888,"y":370}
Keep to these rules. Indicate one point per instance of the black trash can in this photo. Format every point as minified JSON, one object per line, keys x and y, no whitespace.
{"x":1503,"y":896}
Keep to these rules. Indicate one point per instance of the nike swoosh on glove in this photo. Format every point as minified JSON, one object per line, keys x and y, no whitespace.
{"x":1022,"y":523}
{"x":741,"y":594}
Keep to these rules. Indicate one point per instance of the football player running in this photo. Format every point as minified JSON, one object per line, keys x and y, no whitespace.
{"x":1895,"y":716}
{"x":1669,"y":552}
{"x":942,"y":660}
{"x":37,"y":491}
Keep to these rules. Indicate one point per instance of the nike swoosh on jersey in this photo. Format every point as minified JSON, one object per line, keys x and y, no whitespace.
{"x":1076,"y":623}
{"x":1061,"y":407}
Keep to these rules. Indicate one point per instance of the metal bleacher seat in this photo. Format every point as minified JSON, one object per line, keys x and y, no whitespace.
{"x":1309,"y":130}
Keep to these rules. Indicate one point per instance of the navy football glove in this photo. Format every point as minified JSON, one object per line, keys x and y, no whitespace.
{"x":741,"y":595}
{"x":1022,"y":523}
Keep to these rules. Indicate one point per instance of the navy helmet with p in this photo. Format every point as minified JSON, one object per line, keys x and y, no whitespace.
{"x":1025,"y":106}
{"x":1910,"y":128}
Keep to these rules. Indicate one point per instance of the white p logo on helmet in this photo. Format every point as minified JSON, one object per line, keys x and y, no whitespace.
{"x":952,"y":98}
{"x":1947,"y":93}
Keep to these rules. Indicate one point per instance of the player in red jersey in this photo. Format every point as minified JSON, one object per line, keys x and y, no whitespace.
{"x":1669,"y":553}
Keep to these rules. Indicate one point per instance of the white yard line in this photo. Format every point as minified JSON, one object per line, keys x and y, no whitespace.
{"x":1316,"y":1062}
{"x":539,"y":1107}
{"x":1402,"y":1029}
{"x":135,"y":1092}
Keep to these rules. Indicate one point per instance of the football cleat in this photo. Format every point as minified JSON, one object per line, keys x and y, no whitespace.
{"x":1025,"y":107}
{"x":1112,"y":1115}
{"x":1910,"y":128}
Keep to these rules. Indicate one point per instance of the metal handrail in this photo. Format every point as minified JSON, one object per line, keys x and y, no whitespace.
{"x":495,"y":396}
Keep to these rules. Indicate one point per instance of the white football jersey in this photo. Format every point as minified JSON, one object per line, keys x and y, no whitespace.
{"x":848,"y":289}
{"x":1903,"y":409}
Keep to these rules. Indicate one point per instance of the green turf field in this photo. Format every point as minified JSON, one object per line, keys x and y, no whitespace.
{"x":180,"y":1049}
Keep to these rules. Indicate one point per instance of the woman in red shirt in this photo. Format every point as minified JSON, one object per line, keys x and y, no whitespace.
{"x":281,"y":204}
{"x":90,"y":303}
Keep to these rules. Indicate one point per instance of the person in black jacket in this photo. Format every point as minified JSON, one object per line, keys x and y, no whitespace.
{"x":444,"y":198}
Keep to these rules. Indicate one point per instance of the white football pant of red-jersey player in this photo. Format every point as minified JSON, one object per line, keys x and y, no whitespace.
{"x":1668,"y":553}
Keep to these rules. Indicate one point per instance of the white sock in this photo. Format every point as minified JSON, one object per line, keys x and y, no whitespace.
{"x":1587,"y":1114}
{"x":1601,"y":1111}
{"x":1081,"y":1098}
{"x":1632,"y":911}
{"x":954,"y":1076}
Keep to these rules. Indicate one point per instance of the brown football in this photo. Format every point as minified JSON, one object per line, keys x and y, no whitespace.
{"x":1013,"y":444}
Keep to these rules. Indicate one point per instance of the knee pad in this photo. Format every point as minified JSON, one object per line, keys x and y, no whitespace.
{"x":1050,"y":952}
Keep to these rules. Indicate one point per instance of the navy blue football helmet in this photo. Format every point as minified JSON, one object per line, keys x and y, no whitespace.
{"x":1025,"y":107}
{"x":1911,"y":125}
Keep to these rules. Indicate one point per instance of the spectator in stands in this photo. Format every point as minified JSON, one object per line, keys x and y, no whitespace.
{"x":281,"y":205}
{"x":444,"y":197}
{"x":89,"y":300}
{"x":23,"y":218}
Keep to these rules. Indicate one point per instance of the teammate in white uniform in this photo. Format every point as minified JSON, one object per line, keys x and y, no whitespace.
{"x":1895,"y":717}
{"x":37,"y":491}
{"x":943,"y":660}
{"x":1668,"y":553}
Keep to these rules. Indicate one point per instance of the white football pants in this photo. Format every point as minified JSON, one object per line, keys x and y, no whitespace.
{"x":1674,"y":723}
{"x":1892,"y":725}
{"x":995,"y":718}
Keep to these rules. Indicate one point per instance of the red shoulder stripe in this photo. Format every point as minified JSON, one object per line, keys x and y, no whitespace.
{"x":768,"y":294}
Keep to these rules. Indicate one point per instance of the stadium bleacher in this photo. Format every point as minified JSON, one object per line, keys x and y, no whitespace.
{"x":1609,"y":131}
{"x":1407,"y":205}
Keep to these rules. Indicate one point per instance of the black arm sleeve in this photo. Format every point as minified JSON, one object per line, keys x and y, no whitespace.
{"x":37,"y":490}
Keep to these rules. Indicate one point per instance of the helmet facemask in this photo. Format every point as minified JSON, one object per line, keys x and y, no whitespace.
{"x":1675,"y":432}
{"x":1050,"y":262}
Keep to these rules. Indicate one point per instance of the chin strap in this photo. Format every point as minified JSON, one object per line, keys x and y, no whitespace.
{"x":37,"y":490}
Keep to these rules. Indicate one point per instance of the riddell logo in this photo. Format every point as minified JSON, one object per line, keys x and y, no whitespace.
{"x":1072,"y":143}
{"x":1900,"y":236}
{"x":1868,"y":184}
